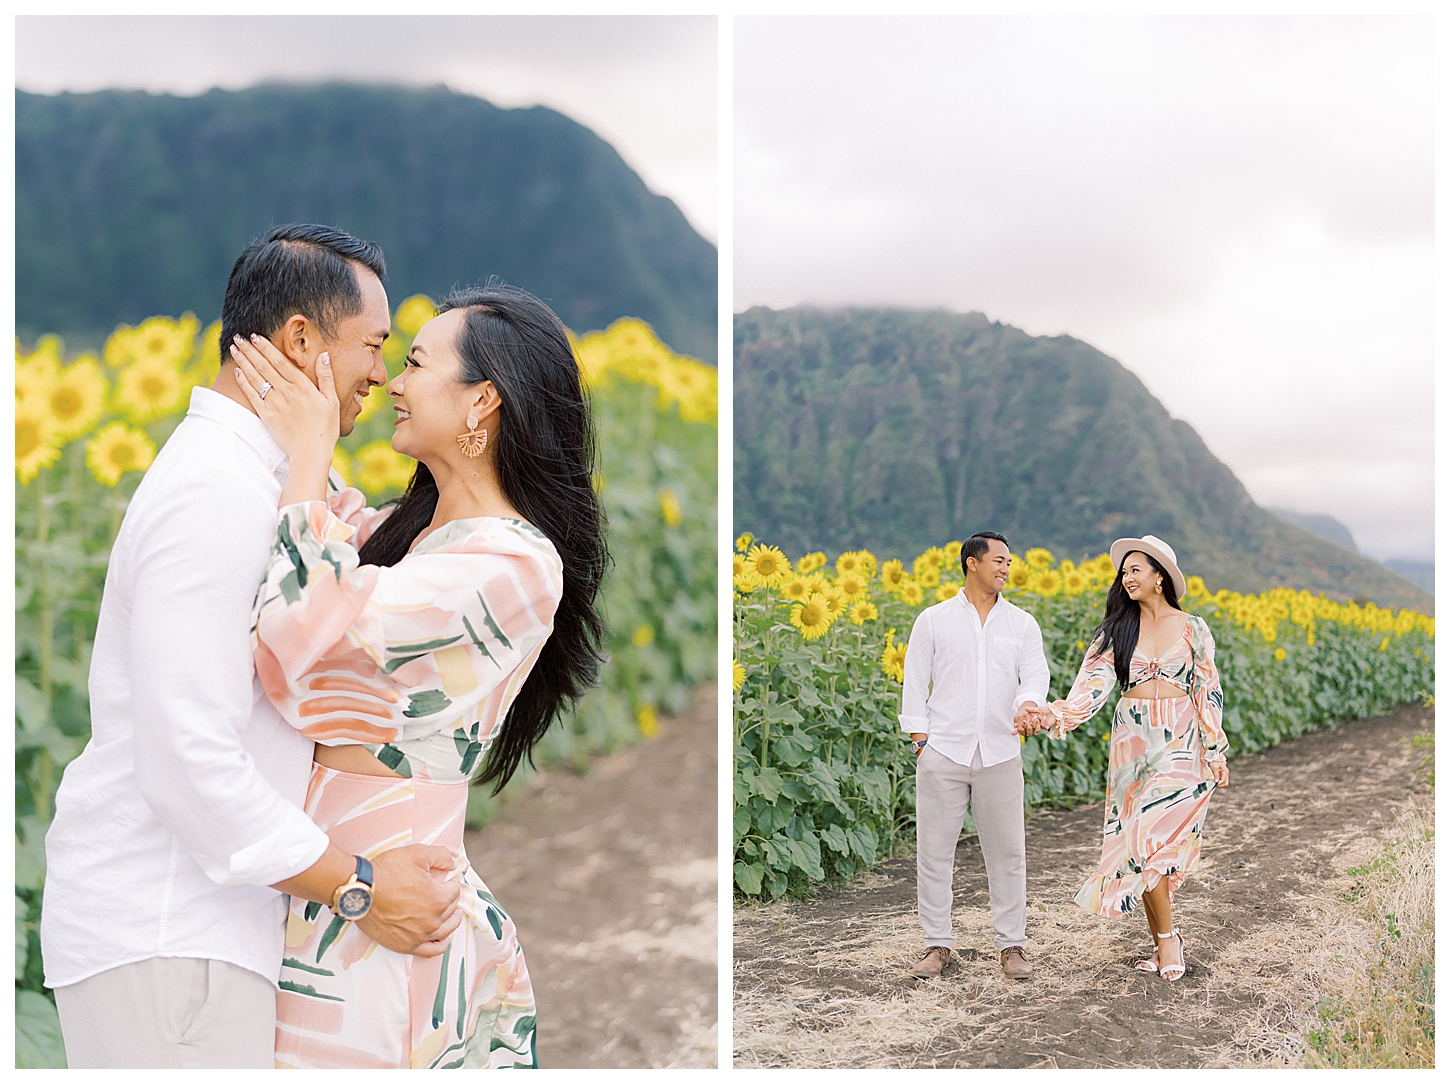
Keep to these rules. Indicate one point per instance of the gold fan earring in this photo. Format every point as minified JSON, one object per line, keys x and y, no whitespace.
{"x":473,"y":442}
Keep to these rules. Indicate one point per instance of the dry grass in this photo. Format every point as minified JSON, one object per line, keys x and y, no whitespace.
{"x":1330,"y":984}
{"x":1348,"y":980}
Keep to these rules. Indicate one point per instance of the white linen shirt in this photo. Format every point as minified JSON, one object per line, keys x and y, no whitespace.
{"x":187,"y":801}
{"x":965,"y":679}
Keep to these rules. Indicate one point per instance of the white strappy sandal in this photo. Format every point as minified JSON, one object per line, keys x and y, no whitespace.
{"x":1173,"y":972}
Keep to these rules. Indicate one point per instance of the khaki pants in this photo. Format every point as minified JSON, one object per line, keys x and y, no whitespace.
{"x":944,"y":791}
{"x":169,"y":1013}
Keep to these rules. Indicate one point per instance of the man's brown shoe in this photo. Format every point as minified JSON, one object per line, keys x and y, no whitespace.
{"x":1015,"y":963}
{"x":933,"y":962}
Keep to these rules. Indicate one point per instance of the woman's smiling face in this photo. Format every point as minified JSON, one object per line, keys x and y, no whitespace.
{"x":431,"y":402}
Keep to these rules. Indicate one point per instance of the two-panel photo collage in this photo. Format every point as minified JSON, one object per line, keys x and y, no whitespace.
{"x":725,"y":541}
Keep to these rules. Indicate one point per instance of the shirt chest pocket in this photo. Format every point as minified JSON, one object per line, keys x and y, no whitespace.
{"x":1005,"y":652}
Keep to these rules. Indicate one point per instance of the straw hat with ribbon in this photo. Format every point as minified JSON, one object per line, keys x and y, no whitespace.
{"x":1155,"y":548}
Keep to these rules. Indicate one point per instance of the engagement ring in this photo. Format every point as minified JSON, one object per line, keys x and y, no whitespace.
{"x":264,"y":389}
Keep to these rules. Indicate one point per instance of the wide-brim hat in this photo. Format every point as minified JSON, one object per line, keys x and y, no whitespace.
{"x":1155,"y":548}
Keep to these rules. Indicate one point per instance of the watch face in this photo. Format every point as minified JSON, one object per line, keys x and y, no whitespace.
{"x":354,"y":903}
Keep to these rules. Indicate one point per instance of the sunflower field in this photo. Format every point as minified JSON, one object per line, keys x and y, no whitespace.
{"x":824,"y":781}
{"x":88,"y":426}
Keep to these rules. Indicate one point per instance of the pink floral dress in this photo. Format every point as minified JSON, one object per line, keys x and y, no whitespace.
{"x":418,"y":663}
{"x":1159,"y":783}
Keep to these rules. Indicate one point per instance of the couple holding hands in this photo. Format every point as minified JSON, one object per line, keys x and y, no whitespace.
{"x":975,"y":684}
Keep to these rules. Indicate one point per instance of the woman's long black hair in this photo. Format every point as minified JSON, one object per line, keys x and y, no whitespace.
{"x":544,"y":451}
{"x":1119,"y":628}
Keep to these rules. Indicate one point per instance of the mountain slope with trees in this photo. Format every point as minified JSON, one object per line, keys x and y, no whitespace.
{"x":896,"y":430}
{"x":129,"y":204}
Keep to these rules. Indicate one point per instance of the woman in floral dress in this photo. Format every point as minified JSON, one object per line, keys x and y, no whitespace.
{"x":421,"y":641}
{"x":1167,"y":751}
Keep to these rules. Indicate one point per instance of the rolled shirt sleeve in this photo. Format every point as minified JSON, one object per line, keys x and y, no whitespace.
{"x":916,"y":680}
{"x":195,"y":571}
{"x":1032,"y":669}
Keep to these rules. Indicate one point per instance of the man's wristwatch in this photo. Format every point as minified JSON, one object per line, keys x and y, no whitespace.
{"x":355,"y":898}
{"x":918,"y":745}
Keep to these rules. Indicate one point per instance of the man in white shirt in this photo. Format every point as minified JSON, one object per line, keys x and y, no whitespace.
{"x":179,"y":827}
{"x":973,"y":665}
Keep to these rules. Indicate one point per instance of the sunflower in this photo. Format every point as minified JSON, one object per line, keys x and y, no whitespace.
{"x":737,"y":674}
{"x":796,"y":589}
{"x":374,"y":400}
{"x":1049,"y":583}
{"x":1066,"y":566}
{"x":929,"y":577}
{"x":160,"y":341}
{"x":76,"y":398}
{"x":911,"y":593}
{"x":37,"y":371}
{"x":343,"y":465}
{"x":1039,"y":559}
{"x":893,"y":575}
{"x":835,"y":601}
{"x":377,"y":468}
{"x":848,"y":562}
{"x":1075,"y":582}
{"x":149,"y":389}
{"x":746,"y":582}
{"x":893,"y":657}
{"x":737,"y":565}
{"x":947,"y":590}
{"x":669,"y":508}
{"x":649,"y":722}
{"x":853,"y":586}
{"x":868,"y":562}
{"x":810,"y":562}
{"x":116,"y":450}
{"x":35,"y":444}
{"x":769,"y":564}
{"x":953,"y":551}
{"x":1196,"y":588}
{"x":207,"y":361}
{"x":413,"y":313}
{"x":1020,"y":577}
{"x":934,"y":558}
{"x":812,"y":617}
{"x":743,"y":542}
{"x":863,"y":612}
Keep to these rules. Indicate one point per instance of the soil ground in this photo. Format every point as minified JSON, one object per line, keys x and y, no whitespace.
{"x":821,"y":982}
{"x":611,"y":879}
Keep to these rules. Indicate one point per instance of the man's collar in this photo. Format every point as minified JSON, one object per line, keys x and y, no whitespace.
{"x":961,"y":596}
{"x":216,"y":407}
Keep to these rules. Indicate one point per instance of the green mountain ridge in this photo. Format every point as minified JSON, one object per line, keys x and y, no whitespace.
{"x":129,"y":204}
{"x":895,"y":430}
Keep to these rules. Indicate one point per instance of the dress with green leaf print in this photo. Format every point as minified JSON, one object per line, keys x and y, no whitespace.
{"x":418,"y":663}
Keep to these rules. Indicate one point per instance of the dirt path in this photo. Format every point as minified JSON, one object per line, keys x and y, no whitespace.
{"x":820,"y":982}
{"x":611,"y":878}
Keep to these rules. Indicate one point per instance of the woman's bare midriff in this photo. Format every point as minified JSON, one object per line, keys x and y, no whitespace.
{"x":1157,"y":689}
{"x":350,"y":758}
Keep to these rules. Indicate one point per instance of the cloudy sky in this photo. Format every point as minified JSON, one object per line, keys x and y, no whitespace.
{"x":647,"y":84}
{"x":1238,"y":208}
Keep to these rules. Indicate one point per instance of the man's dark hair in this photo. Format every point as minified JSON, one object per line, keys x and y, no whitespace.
{"x":977,"y":545}
{"x":293,"y":269}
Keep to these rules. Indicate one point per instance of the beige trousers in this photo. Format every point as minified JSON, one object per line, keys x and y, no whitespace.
{"x":169,"y":1013}
{"x":944,"y":791}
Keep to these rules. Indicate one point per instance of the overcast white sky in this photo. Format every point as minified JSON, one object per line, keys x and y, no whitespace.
{"x":647,"y":84}
{"x":1238,"y":208}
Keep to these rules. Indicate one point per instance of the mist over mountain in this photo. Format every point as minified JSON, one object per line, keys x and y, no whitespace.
{"x":129,"y":204}
{"x":896,"y":430}
{"x":1324,"y":526}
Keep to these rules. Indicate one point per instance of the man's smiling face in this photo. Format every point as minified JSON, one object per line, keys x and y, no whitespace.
{"x":357,"y":349}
